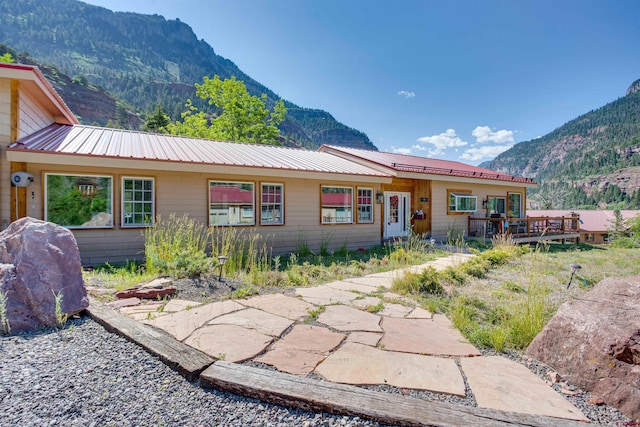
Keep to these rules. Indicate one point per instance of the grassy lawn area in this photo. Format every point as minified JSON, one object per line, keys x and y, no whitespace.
{"x":508,"y":304}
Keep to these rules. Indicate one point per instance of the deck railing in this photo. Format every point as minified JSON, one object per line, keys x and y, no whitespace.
{"x":524,"y":227}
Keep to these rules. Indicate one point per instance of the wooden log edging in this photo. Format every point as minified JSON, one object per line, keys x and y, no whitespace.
{"x":186,"y":360}
{"x":314,"y":395}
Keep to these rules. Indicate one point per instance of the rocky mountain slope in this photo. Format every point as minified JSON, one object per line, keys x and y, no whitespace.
{"x":143,"y":60}
{"x":590,"y":161}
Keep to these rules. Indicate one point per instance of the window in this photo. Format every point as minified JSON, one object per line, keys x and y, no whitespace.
{"x":337,"y":205}
{"x":462,"y":202}
{"x":496,"y":205}
{"x":137,"y":202}
{"x":231,"y":203}
{"x":590,"y":237}
{"x":365,"y":204}
{"x":271,"y":204}
{"x":515,"y":205}
{"x":79,"y":201}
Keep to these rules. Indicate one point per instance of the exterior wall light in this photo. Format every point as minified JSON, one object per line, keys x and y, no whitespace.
{"x":379,"y":198}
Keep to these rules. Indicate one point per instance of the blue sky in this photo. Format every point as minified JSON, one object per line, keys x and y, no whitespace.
{"x":456,"y":80}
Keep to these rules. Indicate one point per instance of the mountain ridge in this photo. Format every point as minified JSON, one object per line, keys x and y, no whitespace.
{"x":144,"y":60}
{"x":590,"y":161}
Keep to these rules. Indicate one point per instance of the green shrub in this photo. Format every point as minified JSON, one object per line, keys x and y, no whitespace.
{"x":453,"y":275}
{"x":512,"y":287}
{"x":430,"y":282}
{"x":476,"y":267}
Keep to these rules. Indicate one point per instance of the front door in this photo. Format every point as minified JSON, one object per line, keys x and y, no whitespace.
{"x":396,"y":214}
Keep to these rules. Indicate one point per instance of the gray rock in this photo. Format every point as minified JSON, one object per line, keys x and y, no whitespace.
{"x":39,"y":260}
{"x":594,"y":342}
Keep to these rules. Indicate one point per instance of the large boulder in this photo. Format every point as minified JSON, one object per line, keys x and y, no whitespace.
{"x":594,"y":342}
{"x":39,"y":261}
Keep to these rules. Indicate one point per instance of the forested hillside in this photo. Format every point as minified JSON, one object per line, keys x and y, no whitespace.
{"x":591,"y":161}
{"x":144,"y":60}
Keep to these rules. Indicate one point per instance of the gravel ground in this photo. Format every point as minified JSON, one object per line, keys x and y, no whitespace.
{"x":86,"y":376}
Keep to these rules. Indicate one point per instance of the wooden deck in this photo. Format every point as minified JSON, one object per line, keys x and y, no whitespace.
{"x":526,"y":230}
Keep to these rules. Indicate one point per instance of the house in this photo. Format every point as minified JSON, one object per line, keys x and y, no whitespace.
{"x":594,"y":224}
{"x":108,"y":185}
{"x":437,"y":197}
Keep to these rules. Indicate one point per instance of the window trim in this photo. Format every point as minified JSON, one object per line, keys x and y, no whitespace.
{"x":351,"y":206}
{"x":460,"y":193}
{"x":372,"y":205}
{"x":123,"y":202}
{"x":80,"y":227}
{"x":270,"y":223}
{"x":509,"y":202}
{"x":239,"y":206}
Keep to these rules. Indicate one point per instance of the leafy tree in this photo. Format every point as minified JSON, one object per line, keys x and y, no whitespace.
{"x":7,"y":58}
{"x":242,"y":118}
{"x":157,"y":121}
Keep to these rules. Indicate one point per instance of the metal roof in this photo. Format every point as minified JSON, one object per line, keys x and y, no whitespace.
{"x":80,"y":140}
{"x":425,"y":165}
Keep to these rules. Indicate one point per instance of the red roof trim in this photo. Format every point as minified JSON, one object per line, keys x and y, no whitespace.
{"x":47,"y":87}
{"x":388,"y":161}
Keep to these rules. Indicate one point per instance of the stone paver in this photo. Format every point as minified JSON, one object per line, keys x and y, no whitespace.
{"x":181,"y":324}
{"x":364,"y":303}
{"x":179,"y":304}
{"x":229,"y":342}
{"x":361,"y":364}
{"x":373,"y":281}
{"x":420,"y":313}
{"x":141,"y":308}
{"x":395,"y":310}
{"x":345,"y":318}
{"x":124,"y":302}
{"x":366,"y":338}
{"x":393,"y":297}
{"x":302,"y":349}
{"x":435,"y":336}
{"x":281,"y":305}
{"x":348,"y":285}
{"x":323,"y":295}
{"x":388,"y":275}
{"x":252,"y":318}
{"x":500,"y":383}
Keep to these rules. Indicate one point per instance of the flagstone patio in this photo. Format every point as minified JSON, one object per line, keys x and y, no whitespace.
{"x":356,"y":331}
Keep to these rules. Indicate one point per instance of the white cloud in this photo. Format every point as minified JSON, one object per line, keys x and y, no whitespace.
{"x":486,"y":152}
{"x":406,"y":94}
{"x":440,"y":142}
{"x":401,"y":150}
{"x":485,"y":134}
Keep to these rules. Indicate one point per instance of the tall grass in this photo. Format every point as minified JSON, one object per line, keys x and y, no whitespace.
{"x":177,"y":245}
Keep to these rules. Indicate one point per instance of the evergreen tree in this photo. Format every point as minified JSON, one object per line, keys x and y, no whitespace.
{"x":156,"y":121}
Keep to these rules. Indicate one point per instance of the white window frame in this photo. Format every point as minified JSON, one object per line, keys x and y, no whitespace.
{"x":123,"y":202}
{"x":85,"y":187}
{"x":324,"y":209}
{"x":243,"y":215}
{"x":369,"y":205}
{"x":458,"y":198}
{"x":272,"y":205}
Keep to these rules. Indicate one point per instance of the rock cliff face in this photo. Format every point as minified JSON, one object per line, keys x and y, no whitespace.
{"x":635,"y":87}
